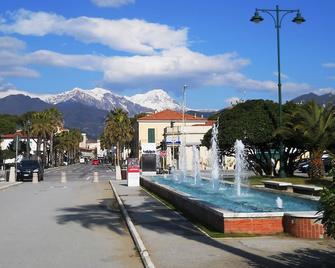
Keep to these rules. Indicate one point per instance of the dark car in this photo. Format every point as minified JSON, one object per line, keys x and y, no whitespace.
{"x":27,"y":168}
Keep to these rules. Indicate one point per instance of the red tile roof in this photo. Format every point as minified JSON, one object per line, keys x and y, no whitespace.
{"x":170,"y":115}
{"x":208,"y":123}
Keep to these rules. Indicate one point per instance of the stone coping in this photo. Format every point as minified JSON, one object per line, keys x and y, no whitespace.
{"x":304,"y":214}
{"x":307,"y":187}
{"x":278,"y":183}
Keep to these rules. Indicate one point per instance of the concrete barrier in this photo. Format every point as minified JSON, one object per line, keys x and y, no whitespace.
{"x":63,"y":177}
{"x":12,"y":175}
{"x":95,"y":177}
{"x":35,"y":177}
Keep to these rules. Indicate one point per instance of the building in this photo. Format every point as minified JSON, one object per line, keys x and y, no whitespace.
{"x":172,"y":128}
{"x":91,"y":148}
{"x":7,"y":139}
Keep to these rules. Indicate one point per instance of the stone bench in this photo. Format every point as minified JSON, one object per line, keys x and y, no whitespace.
{"x":306,"y":189}
{"x":278,"y":185}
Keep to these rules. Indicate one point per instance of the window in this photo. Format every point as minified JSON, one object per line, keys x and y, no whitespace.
{"x":151,"y":135}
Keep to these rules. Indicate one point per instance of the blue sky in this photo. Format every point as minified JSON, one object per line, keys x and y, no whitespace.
{"x":132,"y":46}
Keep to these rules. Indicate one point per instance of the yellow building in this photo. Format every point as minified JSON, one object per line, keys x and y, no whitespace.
{"x":155,"y":128}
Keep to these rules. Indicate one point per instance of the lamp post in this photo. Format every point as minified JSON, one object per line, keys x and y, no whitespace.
{"x":278,"y":16}
{"x":28,"y":138}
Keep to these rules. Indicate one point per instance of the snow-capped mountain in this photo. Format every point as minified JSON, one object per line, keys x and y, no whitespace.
{"x":156,"y":99}
{"x":99,"y":98}
{"x":104,"y":99}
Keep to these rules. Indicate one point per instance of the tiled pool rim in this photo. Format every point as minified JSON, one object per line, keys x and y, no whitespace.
{"x":299,"y":224}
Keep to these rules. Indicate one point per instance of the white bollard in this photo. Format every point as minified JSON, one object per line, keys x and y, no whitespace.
{"x":63,"y":177}
{"x":12,"y":175}
{"x":95,"y":177}
{"x":35,"y":177}
{"x":118,"y":173}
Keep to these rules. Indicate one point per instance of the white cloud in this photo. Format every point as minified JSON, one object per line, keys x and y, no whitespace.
{"x":130,"y":35}
{"x":13,"y":60}
{"x":112,"y":3}
{"x":240,"y":81}
{"x":233,"y":101}
{"x":284,"y":76}
{"x":11,"y":43}
{"x":326,"y":90}
{"x":329,"y":65}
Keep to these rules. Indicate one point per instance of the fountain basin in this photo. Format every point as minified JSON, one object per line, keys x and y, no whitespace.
{"x":228,"y":221}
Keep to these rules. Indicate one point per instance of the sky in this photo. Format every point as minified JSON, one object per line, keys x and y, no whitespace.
{"x":132,"y":46}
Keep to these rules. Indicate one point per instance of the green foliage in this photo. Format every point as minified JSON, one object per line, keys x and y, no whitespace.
{"x":118,"y":130}
{"x":253,"y":122}
{"x":312,"y":127}
{"x":327,"y":207}
{"x":8,"y":123}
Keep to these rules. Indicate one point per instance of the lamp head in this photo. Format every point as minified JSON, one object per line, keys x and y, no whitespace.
{"x":256,"y":18}
{"x":298,"y":19}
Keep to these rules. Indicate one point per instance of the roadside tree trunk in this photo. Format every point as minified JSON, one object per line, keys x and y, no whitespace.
{"x":316,"y":169}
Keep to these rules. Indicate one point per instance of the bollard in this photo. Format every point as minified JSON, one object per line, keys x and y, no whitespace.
{"x":35,"y":177}
{"x":118,"y":173}
{"x":63,"y":177}
{"x":12,"y":175}
{"x":95,"y":177}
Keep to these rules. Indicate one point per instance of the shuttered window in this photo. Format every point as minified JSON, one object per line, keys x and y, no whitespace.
{"x":151,"y":135}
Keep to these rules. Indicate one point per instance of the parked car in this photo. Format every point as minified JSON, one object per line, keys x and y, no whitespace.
{"x":304,"y":166}
{"x":26,"y":169}
{"x":95,"y":162}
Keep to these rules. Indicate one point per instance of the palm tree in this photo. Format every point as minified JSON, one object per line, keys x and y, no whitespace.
{"x":40,"y":128}
{"x":315,"y":126}
{"x":118,"y":131}
{"x":56,"y":123}
{"x":68,"y":142}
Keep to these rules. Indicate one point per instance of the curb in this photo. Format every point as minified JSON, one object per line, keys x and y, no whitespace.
{"x":10,"y":185}
{"x":135,"y":235}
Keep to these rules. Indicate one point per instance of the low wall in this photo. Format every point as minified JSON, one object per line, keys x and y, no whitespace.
{"x":254,"y":225}
{"x":303,"y":226}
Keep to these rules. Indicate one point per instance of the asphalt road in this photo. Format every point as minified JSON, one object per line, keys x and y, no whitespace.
{"x":71,"y":224}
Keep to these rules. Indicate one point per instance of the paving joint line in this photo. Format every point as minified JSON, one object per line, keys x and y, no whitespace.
{"x":10,"y":185}
{"x":144,"y":253}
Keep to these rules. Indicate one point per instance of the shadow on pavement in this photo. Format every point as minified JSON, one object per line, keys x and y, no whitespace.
{"x":306,"y":257}
{"x":103,"y":214}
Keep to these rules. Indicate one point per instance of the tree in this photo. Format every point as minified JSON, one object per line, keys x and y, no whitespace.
{"x":118,"y":131}
{"x":253,"y":122}
{"x":67,"y":143}
{"x":314,"y":125}
{"x":327,"y":208}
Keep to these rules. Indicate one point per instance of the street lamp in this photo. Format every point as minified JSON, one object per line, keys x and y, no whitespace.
{"x":278,"y":16}
{"x":28,"y":138}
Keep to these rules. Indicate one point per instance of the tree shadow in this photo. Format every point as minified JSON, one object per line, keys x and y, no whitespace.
{"x":307,"y":257}
{"x":106,"y":214}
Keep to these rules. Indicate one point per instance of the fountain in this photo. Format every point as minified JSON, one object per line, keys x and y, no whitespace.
{"x":279,"y":202}
{"x":215,"y":157}
{"x":196,"y":165}
{"x":240,"y":165}
{"x":182,"y":160}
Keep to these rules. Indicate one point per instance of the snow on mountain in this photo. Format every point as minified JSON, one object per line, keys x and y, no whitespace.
{"x":156,"y":99}
{"x":99,"y":98}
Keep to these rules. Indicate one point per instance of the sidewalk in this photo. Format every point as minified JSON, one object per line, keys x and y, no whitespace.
{"x":172,"y":241}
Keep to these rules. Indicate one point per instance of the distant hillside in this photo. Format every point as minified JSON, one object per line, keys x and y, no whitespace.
{"x":320,"y":99}
{"x":20,"y":104}
{"x":87,"y":118}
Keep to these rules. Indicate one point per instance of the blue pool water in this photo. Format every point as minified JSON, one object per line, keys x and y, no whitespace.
{"x":250,"y":200}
